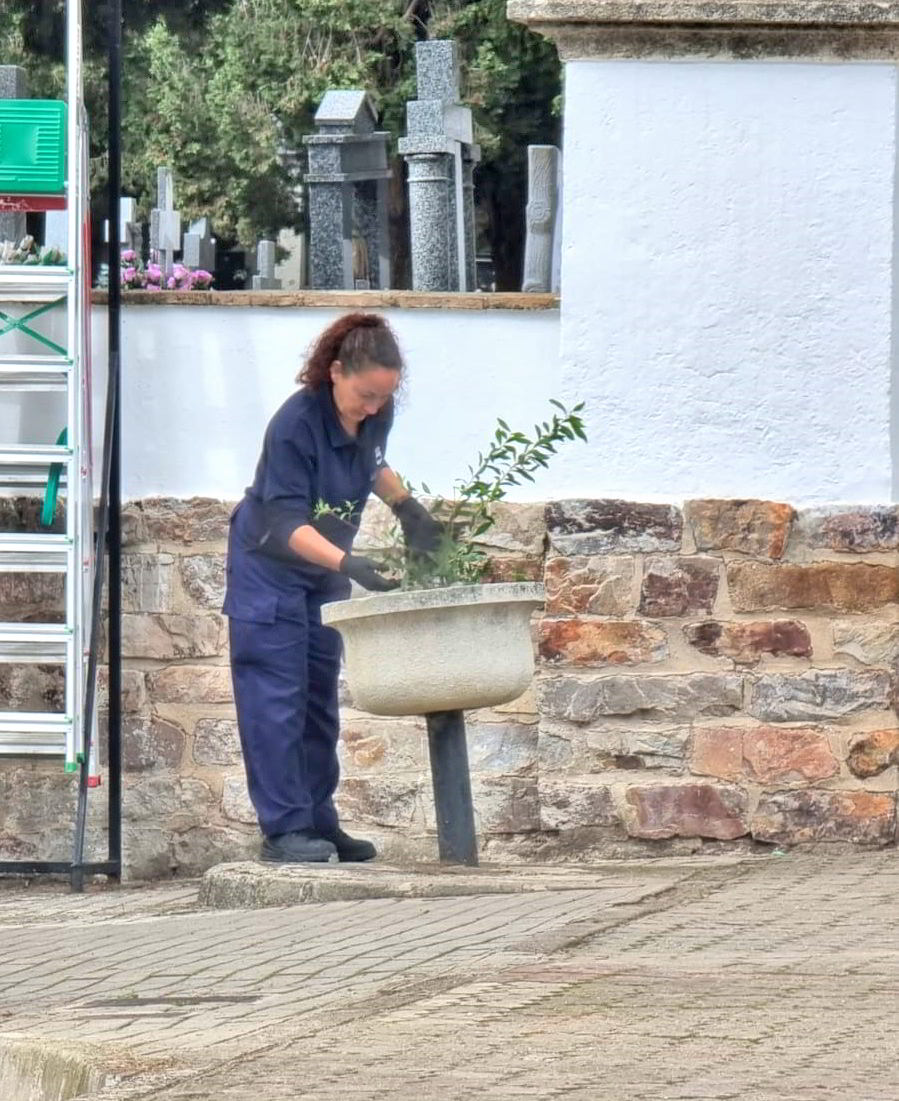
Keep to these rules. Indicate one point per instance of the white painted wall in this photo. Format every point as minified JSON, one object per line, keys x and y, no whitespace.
{"x":200,"y":383}
{"x":726,"y":278}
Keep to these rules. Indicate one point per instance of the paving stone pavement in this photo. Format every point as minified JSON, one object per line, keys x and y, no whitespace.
{"x":772,"y":978}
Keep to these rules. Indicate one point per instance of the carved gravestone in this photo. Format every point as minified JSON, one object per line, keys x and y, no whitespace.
{"x":441,"y":156}
{"x":349,"y":241}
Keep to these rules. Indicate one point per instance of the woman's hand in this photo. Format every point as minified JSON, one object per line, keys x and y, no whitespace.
{"x":421,"y":531}
{"x":367,"y":573}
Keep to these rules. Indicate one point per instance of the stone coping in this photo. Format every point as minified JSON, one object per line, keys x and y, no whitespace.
{"x":359,"y":300}
{"x":857,"y":13}
{"x":835,"y":30}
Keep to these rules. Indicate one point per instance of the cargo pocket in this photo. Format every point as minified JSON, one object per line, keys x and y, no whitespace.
{"x":253,"y":607}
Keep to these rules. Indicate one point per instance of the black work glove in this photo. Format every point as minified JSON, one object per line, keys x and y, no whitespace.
{"x":421,"y":531}
{"x":366,"y":573}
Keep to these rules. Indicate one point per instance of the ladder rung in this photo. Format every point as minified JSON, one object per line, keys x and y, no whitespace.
{"x":34,"y":454}
{"x":27,"y":479}
{"x":39,"y":642}
{"x":34,"y":372}
{"x":34,"y":279}
{"x":33,"y":552}
{"x":26,"y":732}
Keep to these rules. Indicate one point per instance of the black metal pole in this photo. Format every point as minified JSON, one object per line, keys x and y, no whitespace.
{"x":108,"y":524}
{"x":114,"y":755}
{"x":456,"y":839}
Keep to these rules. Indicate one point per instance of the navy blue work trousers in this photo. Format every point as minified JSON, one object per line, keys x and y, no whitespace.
{"x":285,"y":687}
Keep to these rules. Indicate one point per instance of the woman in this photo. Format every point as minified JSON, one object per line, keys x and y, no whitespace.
{"x":325,"y":445}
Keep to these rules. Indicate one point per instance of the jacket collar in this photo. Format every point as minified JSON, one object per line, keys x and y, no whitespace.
{"x":337,"y":434}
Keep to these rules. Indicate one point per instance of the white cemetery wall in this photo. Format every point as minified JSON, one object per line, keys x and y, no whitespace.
{"x":200,"y":384}
{"x":726,"y":284}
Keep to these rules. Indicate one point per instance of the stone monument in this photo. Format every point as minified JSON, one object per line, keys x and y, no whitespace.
{"x":199,"y":246}
{"x":541,"y":216}
{"x":265,"y":263}
{"x":440,"y":152}
{"x":165,"y":222}
{"x":349,"y":240}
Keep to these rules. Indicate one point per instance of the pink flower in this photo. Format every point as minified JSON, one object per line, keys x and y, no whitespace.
{"x":153,"y":287}
{"x":129,"y":255}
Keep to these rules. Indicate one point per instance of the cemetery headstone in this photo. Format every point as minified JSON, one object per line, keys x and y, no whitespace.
{"x":541,"y":216}
{"x":265,"y":264}
{"x":347,"y":187}
{"x":441,"y":155}
{"x":165,"y":222}
{"x":199,"y":246}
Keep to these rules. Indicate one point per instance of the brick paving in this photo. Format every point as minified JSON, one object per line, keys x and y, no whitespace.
{"x":770,"y":979}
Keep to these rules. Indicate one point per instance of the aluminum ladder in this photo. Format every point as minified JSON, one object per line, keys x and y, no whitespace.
{"x":25,"y":468}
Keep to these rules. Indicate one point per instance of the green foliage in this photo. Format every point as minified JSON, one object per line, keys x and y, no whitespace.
{"x":511,"y":458}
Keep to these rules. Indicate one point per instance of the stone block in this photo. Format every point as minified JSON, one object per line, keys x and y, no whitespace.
{"x":679,"y":586}
{"x":601,"y":642}
{"x":765,"y":754}
{"x":757,"y":528}
{"x":505,"y":748}
{"x":826,"y":586}
{"x":873,"y":753}
{"x":502,"y":804}
{"x":746,"y":643}
{"x":22,"y":514}
{"x":216,"y":742}
{"x":854,"y":531}
{"x":818,"y":695}
{"x":196,"y":849}
{"x":236,"y":803}
{"x":871,"y":643}
{"x":192,"y":520}
{"x":190,"y":684}
{"x":633,"y":748}
{"x":382,"y":745}
{"x":517,"y":528}
{"x":148,"y":582}
{"x":150,"y":743}
{"x":687,"y":810}
{"x":134,"y":689}
{"x":611,"y":526}
{"x":168,"y":636}
{"x":32,"y":687}
{"x":513,"y":568}
{"x":566,"y":805}
{"x":156,"y":798}
{"x":383,"y":801}
{"x":659,"y":698}
{"x":589,"y":585}
{"x":378,"y":529}
{"x":798,"y":817}
{"x":146,"y":854}
{"x":203,"y":577}
{"x":32,"y":597}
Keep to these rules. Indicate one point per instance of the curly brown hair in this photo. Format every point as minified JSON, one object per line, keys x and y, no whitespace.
{"x":358,"y":340}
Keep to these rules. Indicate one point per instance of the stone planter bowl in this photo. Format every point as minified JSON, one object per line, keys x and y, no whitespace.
{"x":410,"y":653}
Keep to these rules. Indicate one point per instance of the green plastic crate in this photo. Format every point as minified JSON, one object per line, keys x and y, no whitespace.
{"x":32,"y":146}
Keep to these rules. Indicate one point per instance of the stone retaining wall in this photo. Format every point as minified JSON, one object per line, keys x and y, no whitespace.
{"x":718,"y":675}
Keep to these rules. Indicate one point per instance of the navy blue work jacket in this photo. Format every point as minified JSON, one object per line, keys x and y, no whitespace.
{"x":307,"y":458}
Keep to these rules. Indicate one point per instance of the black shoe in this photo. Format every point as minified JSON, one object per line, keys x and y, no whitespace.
{"x":350,"y":849}
{"x":298,"y":847}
